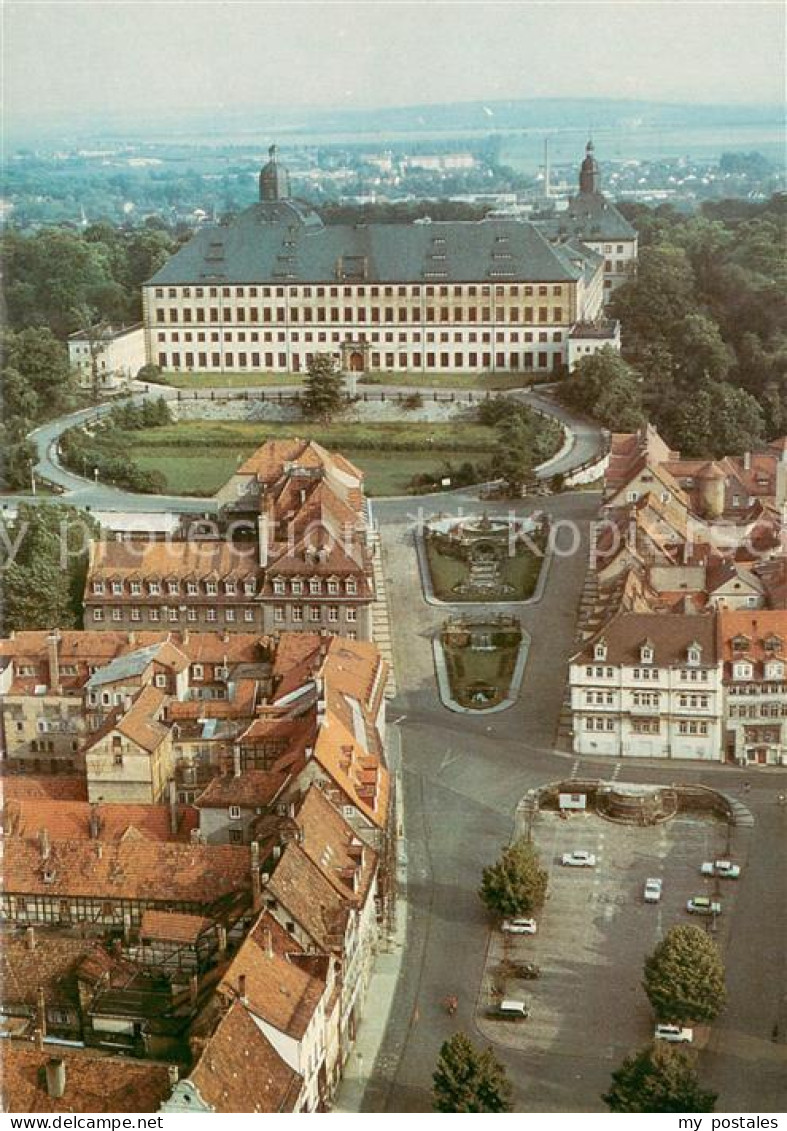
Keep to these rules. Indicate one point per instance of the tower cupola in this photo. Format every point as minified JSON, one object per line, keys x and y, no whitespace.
{"x":589,"y":176}
{"x":274,"y":179}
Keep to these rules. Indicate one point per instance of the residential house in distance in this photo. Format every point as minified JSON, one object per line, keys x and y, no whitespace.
{"x":293,"y":552}
{"x":119,"y":355}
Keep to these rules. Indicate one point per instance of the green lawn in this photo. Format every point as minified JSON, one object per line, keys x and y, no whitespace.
{"x":197,"y":456}
{"x":496,"y":381}
{"x":417,"y":380}
{"x":521,"y":571}
{"x":249,"y":380}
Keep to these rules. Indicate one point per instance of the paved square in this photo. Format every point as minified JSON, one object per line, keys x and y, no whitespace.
{"x":595,"y":931}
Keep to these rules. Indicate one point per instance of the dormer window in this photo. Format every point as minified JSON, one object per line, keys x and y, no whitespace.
{"x":774,"y":669}
{"x":351,"y":585}
{"x":173,"y":588}
{"x":773,"y":644}
{"x":248,"y":588}
{"x":229,"y":588}
{"x":211,"y":588}
{"x":98,"y":586}
{"x":279,"y":586}
{"x":117,"y":587}
{"x":646,"y":653}
{"x":297,"y":587}
{"x":742,"y":671}
{"x":600,"y":650}
{"x":695,"y":653}
{"x":315,"y":585}
{"x":154,"y":588}
{"x":740,"y":643}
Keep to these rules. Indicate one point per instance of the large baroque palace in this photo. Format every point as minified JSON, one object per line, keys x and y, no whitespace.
{"x":276,"y":285}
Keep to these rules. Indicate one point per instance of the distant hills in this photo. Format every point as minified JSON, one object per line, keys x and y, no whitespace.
{"x":289,"y":123}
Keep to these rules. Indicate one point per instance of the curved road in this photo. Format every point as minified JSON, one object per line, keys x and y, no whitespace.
{"x":587,"y":439}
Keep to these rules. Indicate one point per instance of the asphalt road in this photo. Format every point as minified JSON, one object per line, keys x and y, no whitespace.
{"x":96,"y":496}
{"x":462,"y":778}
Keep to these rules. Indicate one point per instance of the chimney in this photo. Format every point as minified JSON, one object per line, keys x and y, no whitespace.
{"x":242,"y":988}
{"x":236,"y":761}
{"x":55,"y":1078}
{"x":94,"y":822}
{"x":174,"y":1075}
{"x":52,"y":642}
{"x":221,"y":935}
{"x":747,"y":461}
{"x":173,"y":807}
{"x":30,"y":938}
{"x":46,"y":849}
{"x":267,"y":940}
{"x":41,"y":1012}
{"x":256,"y":889}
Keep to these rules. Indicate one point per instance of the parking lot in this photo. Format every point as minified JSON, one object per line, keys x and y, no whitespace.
{"x":595,"y":931}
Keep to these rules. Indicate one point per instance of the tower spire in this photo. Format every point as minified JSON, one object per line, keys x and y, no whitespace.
{"x":589,"y":176}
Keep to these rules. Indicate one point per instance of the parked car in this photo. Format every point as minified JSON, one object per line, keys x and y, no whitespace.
{"x":520,"y":926}
{"x":579,"y":859}
{"x":510,"y":1009}
{"x":723,"y":868}
{"x":674,"y":1033}
{"x":653,"y":890}
{"x":701,"y":905}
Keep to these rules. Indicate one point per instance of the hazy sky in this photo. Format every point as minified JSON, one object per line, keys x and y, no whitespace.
{"x":64,"y":59}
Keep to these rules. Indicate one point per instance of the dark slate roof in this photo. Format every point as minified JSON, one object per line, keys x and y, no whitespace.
{"x":589,"y":216}
{"x":284,"y":242}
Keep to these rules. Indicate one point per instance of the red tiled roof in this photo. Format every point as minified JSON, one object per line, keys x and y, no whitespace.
{"x":249,"y":789}
{"x":93,"y":1083}
{"x":70,"y":820}
{"x":54,"y":787}
{"x":135,"y":869}
{"x":239,"y":1069}
{"x":173,"y":926}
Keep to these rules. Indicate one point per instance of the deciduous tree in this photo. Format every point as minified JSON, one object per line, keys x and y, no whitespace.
{"x":469,"y":1080}
{"x":658,"y":1079}
{"x":516,"y":884}
{"x":684,"y":976}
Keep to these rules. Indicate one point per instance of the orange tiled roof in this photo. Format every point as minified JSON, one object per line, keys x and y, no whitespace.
{"x":53,"y":787}
{"x":94,"y":1083}
{"x":239,"y":1069}
{"x":140,"y":722}
{"x":278,"y":990}
{"x":164,"y":560}
{"x":757,"y":626}
{"x":133,"y":868}
{"x":173,"y":926}
{"x":71,"y":820}
{"x":310,"y":898}
{"x":332,"y":845}
{"x":249,"y":789}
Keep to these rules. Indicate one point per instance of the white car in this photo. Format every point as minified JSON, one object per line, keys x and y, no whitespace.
{"x":653,"y":890}
{"x":519,"y":926}
{"x":579,"y":860}
{"x":723,"y":868}
{"x":674,"y":1033}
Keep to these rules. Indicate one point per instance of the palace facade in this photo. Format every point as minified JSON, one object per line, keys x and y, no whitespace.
{"x":275,"y":285}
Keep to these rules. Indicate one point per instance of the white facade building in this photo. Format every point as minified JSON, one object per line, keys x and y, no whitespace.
{"x":649,"y":685}
{"x":120,"y":355}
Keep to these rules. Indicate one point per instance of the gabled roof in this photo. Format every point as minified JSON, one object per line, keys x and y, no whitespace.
{"x":71,"y":820}
{"x":173,"y":926}
{"x":239,"y":1070}
{"x":277,"y":988}
{"x":250,"y":789}
{"x":333,"y":846}
{"x":162,"y":560}
{"x":670,"y":636}
{"x":310,"y":898}
{"x":139,"y":722}
{"x":132,"y":664}
{"x":135,"y":869}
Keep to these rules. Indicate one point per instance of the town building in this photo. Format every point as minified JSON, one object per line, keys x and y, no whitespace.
{"x":275,"y":286}
{"x":649,"y":685}
{"x":753,"y":650}
{"x":118,"y":354}
{"x":293,"y":552}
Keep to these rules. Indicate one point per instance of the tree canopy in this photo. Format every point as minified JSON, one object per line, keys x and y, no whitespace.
{"x":661,"y":1078}
{"x":45,"y":555}
{"x":324,"y":396}
{"x":469,"y":1080}
{"x":684,"y":976}
{"x":516,"y":884}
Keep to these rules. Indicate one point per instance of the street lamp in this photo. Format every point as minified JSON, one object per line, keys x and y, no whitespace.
{"x":95,"y":475}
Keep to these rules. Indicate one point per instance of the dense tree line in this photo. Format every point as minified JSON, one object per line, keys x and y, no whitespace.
{"x":97,"y":452}
{"x":45,"y":557}
{"x":704,"y":330}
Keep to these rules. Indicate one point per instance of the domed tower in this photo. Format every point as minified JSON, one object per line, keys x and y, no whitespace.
{"x":274,"y":179}
{"x":589,"y":176}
